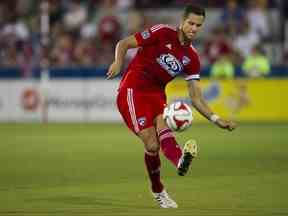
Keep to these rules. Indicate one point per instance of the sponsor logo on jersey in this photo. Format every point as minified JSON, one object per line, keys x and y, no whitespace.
{"x":170,"y":63}
{"x":185,"y":60}
{"x":141,"y":121}
{"x":145,"y":34}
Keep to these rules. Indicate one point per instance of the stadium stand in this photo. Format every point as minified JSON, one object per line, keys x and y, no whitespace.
{"x":84,"y":32}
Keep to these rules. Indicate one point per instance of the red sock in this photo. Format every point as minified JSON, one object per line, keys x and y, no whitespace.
{"x":169,"y":146}
{"x":153,"y":167}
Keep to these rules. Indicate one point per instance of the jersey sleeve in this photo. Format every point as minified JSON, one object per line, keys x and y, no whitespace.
{"x":192,"y":70}
{"x":152,"y":35}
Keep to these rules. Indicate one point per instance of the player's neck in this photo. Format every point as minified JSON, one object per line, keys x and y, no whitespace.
{"x":184,"y":41}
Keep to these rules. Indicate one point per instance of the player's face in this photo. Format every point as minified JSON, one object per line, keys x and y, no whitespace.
{"x":191,"y":25}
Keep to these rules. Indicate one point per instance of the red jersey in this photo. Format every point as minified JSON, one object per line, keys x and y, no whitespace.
{"x":160,"y":58}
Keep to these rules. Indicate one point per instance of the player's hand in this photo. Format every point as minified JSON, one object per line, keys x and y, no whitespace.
{"x":113,"y":70}
{"x":225,"y":124}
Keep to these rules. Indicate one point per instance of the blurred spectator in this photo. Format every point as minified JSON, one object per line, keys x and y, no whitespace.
{"x":88,"y":30}
{"x":15,"y":44}
{"x":62,"y":52}
{"x":75,"y":16}
{"x":25,"y":60}
{"x":15,"y":29}
{"x":106,"y":54}
{"x":257,"y":18}
{"x":56,"y":12}
{"x":109,"y":27}
{"x":124,"y":5}
{"x":85,"y":52}
{"x":108,"y":31}
{"x":217,"y":45}
{"x":256,"y":64}
{"x":232,"y":17}
{"x":9,"y":56}
{"x":136,"y":21}
{"x":223,"y":68}
{"x":285,"y":57}
{"x":245,"y":41}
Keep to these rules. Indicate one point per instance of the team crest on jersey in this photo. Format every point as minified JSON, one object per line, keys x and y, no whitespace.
{"x":141,"y":121}
{"x":185,"y":60}
{"x":170,"y":63}
{"x":145,"y":34}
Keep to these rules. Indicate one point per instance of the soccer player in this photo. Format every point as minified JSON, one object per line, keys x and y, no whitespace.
{"x":164,"y":52}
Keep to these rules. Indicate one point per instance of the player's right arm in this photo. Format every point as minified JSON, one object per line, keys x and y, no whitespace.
{"x":120,"y":53}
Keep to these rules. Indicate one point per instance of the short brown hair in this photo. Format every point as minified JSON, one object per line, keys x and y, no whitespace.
{"x":195,"y":9}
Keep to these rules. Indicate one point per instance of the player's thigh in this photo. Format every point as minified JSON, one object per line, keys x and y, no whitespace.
{"x":135,"y":109}
{"x":159,"y":103}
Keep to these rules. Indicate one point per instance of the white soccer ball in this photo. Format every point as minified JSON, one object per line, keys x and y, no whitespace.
{"x":178,"y":116}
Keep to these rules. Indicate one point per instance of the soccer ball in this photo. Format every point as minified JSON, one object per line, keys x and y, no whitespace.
{"x":178,"y":116}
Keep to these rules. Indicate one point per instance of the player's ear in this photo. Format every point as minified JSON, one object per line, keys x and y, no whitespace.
{"x":181,"y":24}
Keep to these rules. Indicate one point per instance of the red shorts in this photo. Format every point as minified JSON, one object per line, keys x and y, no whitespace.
{"x":140,"y":108}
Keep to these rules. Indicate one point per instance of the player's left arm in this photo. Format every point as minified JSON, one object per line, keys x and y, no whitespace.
{"x":202,"y":107}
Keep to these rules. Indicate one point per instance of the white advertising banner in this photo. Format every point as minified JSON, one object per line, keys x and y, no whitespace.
{"x":66,"y":100}
{"x":19,"y":101}
{"x":101,"y":105}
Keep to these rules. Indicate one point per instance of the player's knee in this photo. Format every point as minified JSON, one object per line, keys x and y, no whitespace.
{"x":149,"y":138}
{"x":152,"y":148}
{"x":151,"y":144}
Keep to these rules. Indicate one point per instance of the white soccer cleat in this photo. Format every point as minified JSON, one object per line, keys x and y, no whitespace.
{"x":190,"y":151}
{"x":164,"y":200}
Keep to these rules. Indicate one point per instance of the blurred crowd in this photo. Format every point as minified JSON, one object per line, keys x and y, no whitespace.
{"x":84,"y":32}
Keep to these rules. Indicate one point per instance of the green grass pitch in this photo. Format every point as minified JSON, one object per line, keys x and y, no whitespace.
{"x":98,"y":169}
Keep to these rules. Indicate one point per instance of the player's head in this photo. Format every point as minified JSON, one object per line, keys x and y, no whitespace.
{"x":192,"y":20}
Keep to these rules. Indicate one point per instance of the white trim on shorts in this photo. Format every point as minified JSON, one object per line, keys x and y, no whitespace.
{"x":131,"y":108}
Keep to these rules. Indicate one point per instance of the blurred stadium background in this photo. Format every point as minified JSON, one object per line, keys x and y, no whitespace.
{"x":63,"y":148}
